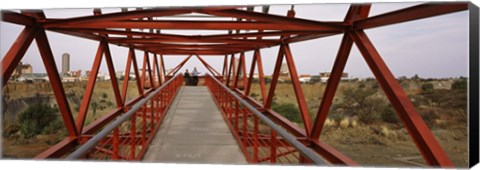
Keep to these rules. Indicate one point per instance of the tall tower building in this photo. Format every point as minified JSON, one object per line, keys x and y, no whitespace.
{"x":65,"y":63}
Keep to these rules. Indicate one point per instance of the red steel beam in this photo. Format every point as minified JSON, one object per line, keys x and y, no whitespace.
{"x":225,"y":65}
{"x":208,"y":66}
{"x":82,"y":113}
{"x":241,"y":65}
{"x":281,"y":20}
{"x":113,"y":77}
{"x":152,"y":84}
{"x":55,"y":81}
{"x":126,"y":76}
{"x":302,"y":104}
{"x":179,"y":66}
{"x":115,"y":17}
{"x":157,"y":69}
{"x":276,"y":74}
{"x":58,"y":150}
{"x":411,"y":13}
{"x":16,"y":18}
{"x":137,"y":74}
{"x":250,"y":74}
{"x":332,"y":84}
{"x":15,"y":54}
{"x":230,"y":69}
{"x":197,"y":46}
{"x":418,"y":130}
{"x":333,"y":156}
{"x":355,"y":12}
{"x":193,"y":25}
{"x":261,"y":76}
{"x":163,"y":66}
{"x":189,"y":40}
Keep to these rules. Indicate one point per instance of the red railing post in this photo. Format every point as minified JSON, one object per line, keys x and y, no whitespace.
{"x":273,"y":147}
{"x":133,"y":135}
{"x":115,"y":144}
{"x":255,"y":139}
{"x":144,"y":124}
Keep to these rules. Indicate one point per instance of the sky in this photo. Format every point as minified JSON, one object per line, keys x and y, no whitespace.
{"x":435,"y":47}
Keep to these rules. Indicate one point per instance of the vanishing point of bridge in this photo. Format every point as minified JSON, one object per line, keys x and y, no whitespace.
{"x":217,"y":122}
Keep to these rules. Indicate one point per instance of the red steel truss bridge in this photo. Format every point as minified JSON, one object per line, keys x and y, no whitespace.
{"x":243,"y":126}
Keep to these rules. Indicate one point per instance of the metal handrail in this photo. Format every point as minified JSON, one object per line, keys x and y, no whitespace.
{"x":109,"y":128}
{"x":312,"y":155}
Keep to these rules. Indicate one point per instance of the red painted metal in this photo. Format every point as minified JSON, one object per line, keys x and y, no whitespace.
{"x":250,"y":74}
{"x":163,"y":67}
{"x":123,"y":143}
{"x":411,"y":13}
{"x":302,"y":104}
{"x":55,"y":81}
{"x":418,"y":130}
{"x":126,"y":76}
{"x":355,"y":12}
{"x":82,"y":113}
{"x":208,"y":66}
{"x":261,"y":76}
{"x":150,"y":76}
{"x":113,"y":76}
{"x":179,"y":66}
{"x":225,"y":66}
{"x":276,"y":74}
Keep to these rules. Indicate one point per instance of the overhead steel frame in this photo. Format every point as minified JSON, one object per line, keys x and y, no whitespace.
{"x":99,"y":26}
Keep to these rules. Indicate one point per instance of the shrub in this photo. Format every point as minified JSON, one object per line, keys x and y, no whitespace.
{"x":33,"y":120}
{"x":460,"y":84}
{"x":427,"y":87}
{"x":389,"y":115}
{"x":53,"y":127}
{"x":104,"y":95}
{"x":288,"y":110}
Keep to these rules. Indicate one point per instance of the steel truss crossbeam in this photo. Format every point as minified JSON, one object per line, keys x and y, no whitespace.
{"x":280,"y":30}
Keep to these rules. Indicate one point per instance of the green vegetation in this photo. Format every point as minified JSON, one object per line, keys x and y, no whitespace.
{"x":35,"y":119}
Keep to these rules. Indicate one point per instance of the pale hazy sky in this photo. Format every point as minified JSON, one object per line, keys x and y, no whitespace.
{"x":433,"y":47}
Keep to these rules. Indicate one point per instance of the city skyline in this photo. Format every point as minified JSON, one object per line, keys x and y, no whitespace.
{"x":432,"y":48}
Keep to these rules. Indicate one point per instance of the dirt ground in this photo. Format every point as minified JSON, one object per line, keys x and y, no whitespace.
{"x":12,"y":150}
{"x":367,"y":147}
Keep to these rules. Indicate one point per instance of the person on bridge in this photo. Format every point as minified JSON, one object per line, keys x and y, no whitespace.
{"x":195,"y":74}
{"x":187,"y":78}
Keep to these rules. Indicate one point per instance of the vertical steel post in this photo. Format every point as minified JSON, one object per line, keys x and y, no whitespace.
{"x":273,"y":146}
{"x":133,"y":135}
{"x":115,"y":144}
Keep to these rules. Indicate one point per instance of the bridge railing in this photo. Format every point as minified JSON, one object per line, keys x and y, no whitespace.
{"x":128,"y":136}
{"x":260,"y":139}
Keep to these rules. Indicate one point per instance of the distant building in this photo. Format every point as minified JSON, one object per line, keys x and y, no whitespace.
{"x":33,"y":77}
{"x":22,"y":69}
{"x":87,"y":73}
{"x":326,"y":75}
{"x":77,"y":73}
{"x":305,"y":78}
{"x":284,"y":70}
{"x":65,"y":63}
